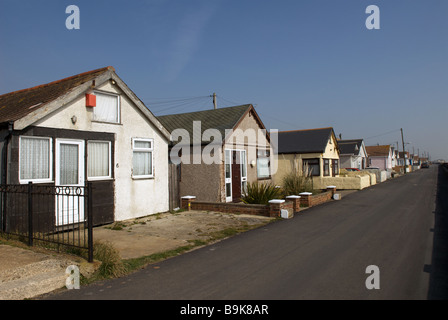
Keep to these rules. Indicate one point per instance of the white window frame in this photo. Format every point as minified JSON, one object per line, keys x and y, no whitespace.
{"x":50,"y":160}
{"x":264,"y":157}
{"x":109,"y":176}
{"x":243,"y":178}
{"x":118,"y":107}
{"x":243,"y":162}
{"x":228,"y":180}
{"x":136,"y":149}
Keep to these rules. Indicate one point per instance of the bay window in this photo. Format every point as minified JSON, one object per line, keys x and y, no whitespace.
{"x":311,"y":167}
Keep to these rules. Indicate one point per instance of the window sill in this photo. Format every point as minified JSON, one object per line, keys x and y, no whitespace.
{"x":142,"y":177}
{"x":100,"y":179}
{"x":35,"y":181}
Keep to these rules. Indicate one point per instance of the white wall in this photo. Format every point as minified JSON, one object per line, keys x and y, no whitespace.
{"x":133,"y":198}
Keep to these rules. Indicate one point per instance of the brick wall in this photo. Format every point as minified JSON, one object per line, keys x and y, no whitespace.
{"x":271,"y":210}
{"x":314,"y":200}
{"x":254,"y":209}
{"x":320,"y":198}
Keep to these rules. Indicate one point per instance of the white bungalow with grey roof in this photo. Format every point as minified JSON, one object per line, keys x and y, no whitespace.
{"x":353,"y":154}
{"x":87,"y":128}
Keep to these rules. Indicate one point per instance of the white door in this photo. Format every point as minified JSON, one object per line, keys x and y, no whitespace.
{"x":70,"y":180}
{"x":243,"y":173}
{"x":228,"y":177}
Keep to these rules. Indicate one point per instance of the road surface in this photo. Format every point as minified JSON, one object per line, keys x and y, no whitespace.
{"x":322,"y":253}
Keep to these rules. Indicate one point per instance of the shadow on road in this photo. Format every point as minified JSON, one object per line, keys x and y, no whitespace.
{"x":438,"y":283}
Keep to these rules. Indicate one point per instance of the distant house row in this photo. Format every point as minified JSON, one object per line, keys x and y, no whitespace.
{"x":92,"y":128}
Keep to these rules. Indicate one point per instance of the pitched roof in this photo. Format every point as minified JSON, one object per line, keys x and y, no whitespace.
{"x":220,"y":119}
{"x":304,"y":141}
{"x":378,"y":151}
{"x":17,"y":104}
{"x":24,"y":107}
{"x":350,"y":146}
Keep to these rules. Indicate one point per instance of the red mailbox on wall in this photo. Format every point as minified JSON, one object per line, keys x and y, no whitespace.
{"x":90,"y":100}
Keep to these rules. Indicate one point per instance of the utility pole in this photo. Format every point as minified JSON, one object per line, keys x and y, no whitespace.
{"x":215,"y":103}
{"x":404,"y":152}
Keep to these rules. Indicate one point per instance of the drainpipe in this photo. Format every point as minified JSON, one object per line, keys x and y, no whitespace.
{"x":4,"y":178}
{"x":5,"y":153}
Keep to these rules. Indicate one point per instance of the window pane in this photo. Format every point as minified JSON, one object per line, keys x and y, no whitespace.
{"x":243,"y":164}
{"x":311,"y":166}
{"x":98,"y":159}
{"x":142,"y":163}
{"x":228,"y":190}
{"x":142,"y":144}
{"x":34,"y":158}
{"x":227,"y":163}
{"x":68,"y":164}
{"x":244,"y":187}
{"x":263,"y":167}
{"x":326,"y":167}
{"x":106,"y":108}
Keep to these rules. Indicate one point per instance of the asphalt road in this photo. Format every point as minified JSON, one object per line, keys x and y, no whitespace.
{"x":321,"y":253}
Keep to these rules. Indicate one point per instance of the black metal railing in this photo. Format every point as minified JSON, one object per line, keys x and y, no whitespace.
{"x":56,"y":217}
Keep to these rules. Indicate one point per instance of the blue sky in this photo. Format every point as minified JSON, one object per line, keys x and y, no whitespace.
{"x":302,"y":63}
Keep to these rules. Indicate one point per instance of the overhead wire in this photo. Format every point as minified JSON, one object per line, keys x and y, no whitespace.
{"x":174,"y":104}
{"x":382,"y":134}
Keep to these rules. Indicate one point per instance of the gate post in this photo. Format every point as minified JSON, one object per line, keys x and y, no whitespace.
{"x":89,"y":222}
{"x":30,"y":214}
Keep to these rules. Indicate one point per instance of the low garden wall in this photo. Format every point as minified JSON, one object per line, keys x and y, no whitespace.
{"x":277,"y":208}
{"x":358,"y":182}
{"x":310,"y":200}
{"x":239,"y":208}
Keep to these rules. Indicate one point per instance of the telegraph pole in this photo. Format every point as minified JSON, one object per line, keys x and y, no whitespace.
{"x":215,"y":103}
{"x":404,"y":152}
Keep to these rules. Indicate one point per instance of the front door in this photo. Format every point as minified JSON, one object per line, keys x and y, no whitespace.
{"x":235,"y":174}
{"x":70,"y":180}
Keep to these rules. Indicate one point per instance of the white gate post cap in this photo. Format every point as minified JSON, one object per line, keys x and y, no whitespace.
{"x":276,"y":201}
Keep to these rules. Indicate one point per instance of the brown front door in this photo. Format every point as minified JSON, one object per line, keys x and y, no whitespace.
{"x":236,"y":176}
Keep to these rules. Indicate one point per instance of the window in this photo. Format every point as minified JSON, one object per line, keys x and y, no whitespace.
{"x":35,"y":159}
{"x":107,"y":108}
{"x":335,"y":165}
{"x":263,"y":170}
{"x":228,"y":177}
{"x":98,"y":160}
{"x":243,"y":172}
{"x":326,"y":167}
{"x":311,"y":167}
{"x":142,"y":164}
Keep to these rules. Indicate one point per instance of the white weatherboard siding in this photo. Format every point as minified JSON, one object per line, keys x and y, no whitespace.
{"x":133,"y":197}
